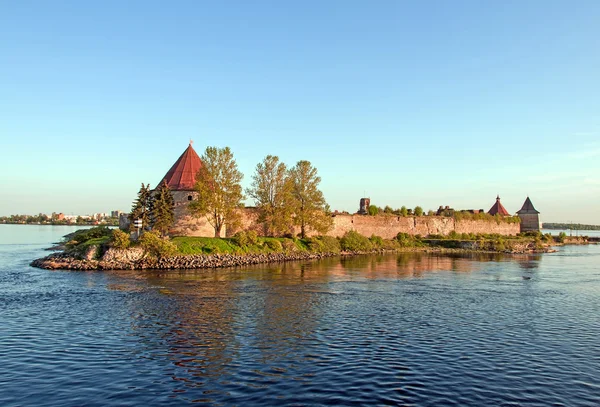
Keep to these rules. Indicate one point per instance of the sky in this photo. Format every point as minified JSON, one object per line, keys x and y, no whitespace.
{"x":409,"y":103}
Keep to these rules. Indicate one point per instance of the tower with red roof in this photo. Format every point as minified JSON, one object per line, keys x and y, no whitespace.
{"x":498,"y":208}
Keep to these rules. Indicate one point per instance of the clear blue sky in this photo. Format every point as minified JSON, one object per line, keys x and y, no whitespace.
{"x":424,"y":103}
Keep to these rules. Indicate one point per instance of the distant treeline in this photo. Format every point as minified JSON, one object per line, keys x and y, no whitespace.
{"x":571,"y":226}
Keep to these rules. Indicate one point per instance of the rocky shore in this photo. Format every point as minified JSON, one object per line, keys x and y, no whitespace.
{"x":115,"y":259}
{"x":136,"y":258}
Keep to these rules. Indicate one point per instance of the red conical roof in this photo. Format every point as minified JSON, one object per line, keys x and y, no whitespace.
{"x":498,"y":208}
{"x":182,"y":175}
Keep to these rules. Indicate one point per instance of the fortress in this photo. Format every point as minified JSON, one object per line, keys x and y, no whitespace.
{"x":181,"y":178}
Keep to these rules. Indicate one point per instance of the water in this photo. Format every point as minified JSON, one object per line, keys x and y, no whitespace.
{"x":376,"y":330}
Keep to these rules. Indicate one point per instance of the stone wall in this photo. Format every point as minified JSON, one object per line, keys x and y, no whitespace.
{"x":389,"y":226}
{"x":385,"y":226}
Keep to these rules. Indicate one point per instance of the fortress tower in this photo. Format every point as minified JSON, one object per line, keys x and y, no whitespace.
{"x":181,"y":179}
{"x":530,"y":219}
{"x":498,"y":208}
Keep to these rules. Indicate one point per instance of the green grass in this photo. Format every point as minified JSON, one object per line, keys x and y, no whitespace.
{"x":188,"y":245}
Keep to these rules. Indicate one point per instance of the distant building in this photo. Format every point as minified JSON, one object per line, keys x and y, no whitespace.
{"x":530,"y":218}
{"x":115,"y":214}
{"x":445,"y":211}
{"x":498,"y":208}
{"x":363,"y":208}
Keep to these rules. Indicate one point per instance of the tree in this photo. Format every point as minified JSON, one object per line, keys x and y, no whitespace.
{"x":310,"y":211}
{"x":219,"y":190}
{"x":162,"y":214}
{"x":272,"y":193}
{"x":388,"y":209}
{"x":403,"y":211}
{"x":418,"y":211}
{"x":141,"y":207}
{"x":373,"y":210}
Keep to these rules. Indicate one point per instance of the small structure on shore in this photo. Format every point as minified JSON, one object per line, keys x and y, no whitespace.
{"x":530,"y":219}
{"x":498,"y":208}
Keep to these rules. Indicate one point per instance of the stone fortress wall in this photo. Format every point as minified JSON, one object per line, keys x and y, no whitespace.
{"x":386,"y":226}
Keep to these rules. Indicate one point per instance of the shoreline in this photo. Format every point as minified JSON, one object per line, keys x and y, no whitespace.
{"x":132,"y":259}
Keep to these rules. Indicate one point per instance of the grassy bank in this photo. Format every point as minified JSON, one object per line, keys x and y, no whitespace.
{"x":93,"y":243}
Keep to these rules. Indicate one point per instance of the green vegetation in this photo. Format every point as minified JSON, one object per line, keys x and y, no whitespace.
{"x":353,"y":241}
{"x":570,"y":226}
{"x":418,"y":211}
{"x":310,"y":211}
{"x":154,"y":245}
{"x":162,"y":213}
{"x":119,"y":239}
{"x":464,"y":215}
{"x":218,"y":184}
{"x":271,"y":190}
{"x":43,"y":219}
{"x":287,"y":198}
{"x":141,"y":208}
{"x":373,"y":210}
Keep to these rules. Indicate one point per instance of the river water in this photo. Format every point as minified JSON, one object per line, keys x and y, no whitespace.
{"x":407,"y":329}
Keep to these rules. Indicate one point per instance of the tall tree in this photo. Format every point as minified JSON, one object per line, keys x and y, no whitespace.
{"x":141,"y":207}
{"x":219,"y":190}
{"x":271,"y":191}
{"x":310,"y":209}
{"x":162,"y":214}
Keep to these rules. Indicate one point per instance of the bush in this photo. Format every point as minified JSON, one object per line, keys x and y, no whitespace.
{"x":330,"y":244}
{"x":353,"y":241}
{"x":119,"y":239}
{"x":154,"y":245}
{"x":376,"y":241}
{"x":84,"y":235}
{"x":252,"y":237}
{"x":406,"y":240}
{"x":561,"y":237}
{"x":289,"y":246}
{"x":314,"y":244}
{"x":274,"y":245}
{"x":373,"y":210}
{"x":418,"y":211}
{"x":240,"y":239}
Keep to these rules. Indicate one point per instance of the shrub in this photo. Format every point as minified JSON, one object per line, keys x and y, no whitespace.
{"x":376,"y":241}
{"x":373,"y":210}
{"x":561,"y":237}
{"x":274,"y":245}
{"x":403,"y":211}
{"x":388,"y":209}
{"x":154,"y":245}
{"x":240,"y":239}
{"x":330,"y":244}
{"x":418,"y":211}
{"x":314,"y":244}
{"x":406,"y":240}
{"x":353,"y":241}
{"x":252,"y":237}
{"x":119,"y":239}
{"x":84,"y":235}
{"x":289,"y":246}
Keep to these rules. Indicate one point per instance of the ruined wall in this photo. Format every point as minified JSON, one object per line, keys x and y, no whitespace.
{"x":482,"y":226}
{"x":389,"y":226}
{"x":383,"y":225}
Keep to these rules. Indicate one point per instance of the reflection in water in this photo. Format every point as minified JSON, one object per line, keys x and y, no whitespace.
{"x":406,"y":329}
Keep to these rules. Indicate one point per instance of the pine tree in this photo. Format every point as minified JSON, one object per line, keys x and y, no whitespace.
{"x":309,"y":207}
{"x":141,"y":208}
{"x":219,"y":189}
{"x":162,"y":214}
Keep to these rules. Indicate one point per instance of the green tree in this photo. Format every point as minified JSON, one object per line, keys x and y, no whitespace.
{"x":162,"y":213}
{"x":403,"y":211}
{"x":310,"y":211}
{"x":219,"y":190}
{"x":272,"y":192}
{"x":373,"y":210}
{"x":418,"y":211}
{"x":141,"y":207}
{"x":388,"y":209}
